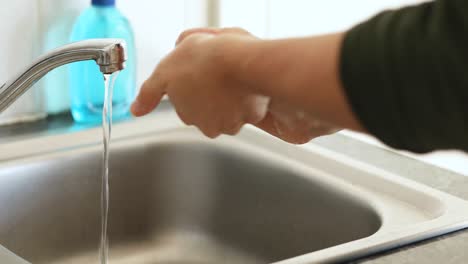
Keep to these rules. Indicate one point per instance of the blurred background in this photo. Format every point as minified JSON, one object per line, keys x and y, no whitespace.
{"x":28,"y":25}
{"x":28,"y":28}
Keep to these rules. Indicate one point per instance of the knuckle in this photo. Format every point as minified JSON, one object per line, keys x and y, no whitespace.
{"x":302,"y":141}
{"x":254,"y":117}
{"x":184,"y":118}
{"x":296,"y":140}
{"x":257,"y":109}
{"x":209,"y":132}
{"x":212,"y":135}
{"x":234,"y":130}
{"x":194,"y":39}
{"x":185,"y":33}
{"x":237,"y":30}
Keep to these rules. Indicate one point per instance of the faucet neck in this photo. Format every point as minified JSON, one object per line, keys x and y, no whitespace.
{"x":109,"y":54}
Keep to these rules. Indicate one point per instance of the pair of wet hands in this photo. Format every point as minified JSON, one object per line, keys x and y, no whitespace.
{"x":204,"y":96}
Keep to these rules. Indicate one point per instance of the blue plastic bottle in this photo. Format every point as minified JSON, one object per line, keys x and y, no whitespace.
{"x":101,"y":20}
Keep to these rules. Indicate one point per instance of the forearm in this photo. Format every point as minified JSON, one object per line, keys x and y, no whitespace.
{"x":303,"y":72}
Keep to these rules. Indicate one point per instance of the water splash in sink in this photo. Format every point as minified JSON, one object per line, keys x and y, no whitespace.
{"x":109,"y":81}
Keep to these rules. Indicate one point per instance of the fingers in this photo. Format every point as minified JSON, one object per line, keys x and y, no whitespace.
{"x":258,"y":106}
{"x":149,"y":97}
{"x":268,"y":125}
{"x":212,"y":31}
{"x":234,"y":30}
{"x":272,"y":126}
{"x":209,"y":133}
{"x":190,"y":32}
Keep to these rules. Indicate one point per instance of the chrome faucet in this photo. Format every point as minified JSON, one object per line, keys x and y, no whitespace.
{"x":109,"y":54}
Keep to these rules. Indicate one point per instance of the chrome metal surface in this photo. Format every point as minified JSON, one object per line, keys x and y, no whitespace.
{"x":109,"y":54}
{"x":173,"y":203}
{"x":177,"y":197}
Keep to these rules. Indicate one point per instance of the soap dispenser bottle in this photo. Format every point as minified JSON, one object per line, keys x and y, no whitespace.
{"x":101,"y":20}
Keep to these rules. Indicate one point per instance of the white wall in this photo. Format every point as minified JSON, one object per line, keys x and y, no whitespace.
{"x":285,"y":18}
{"x":248,"y":14}
{"x":18,"y":37}
{"x":305,"y":17}
{"x":157,"y":24}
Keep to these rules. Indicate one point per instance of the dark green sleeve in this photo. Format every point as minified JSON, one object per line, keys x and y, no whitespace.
{"x":405,"y":73}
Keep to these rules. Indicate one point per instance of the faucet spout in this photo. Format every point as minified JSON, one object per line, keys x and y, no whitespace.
{"x":109,"y":54}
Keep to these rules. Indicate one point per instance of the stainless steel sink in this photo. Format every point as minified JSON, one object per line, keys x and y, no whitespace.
{"x":179,"y":198}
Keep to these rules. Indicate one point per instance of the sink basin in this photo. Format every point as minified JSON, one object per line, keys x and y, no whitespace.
{"x":176,"y":197}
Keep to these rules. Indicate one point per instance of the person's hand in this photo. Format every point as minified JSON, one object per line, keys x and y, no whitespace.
{"x":199,"y":86}
{"x":206,"y":92}
{"x":293,"y":125}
